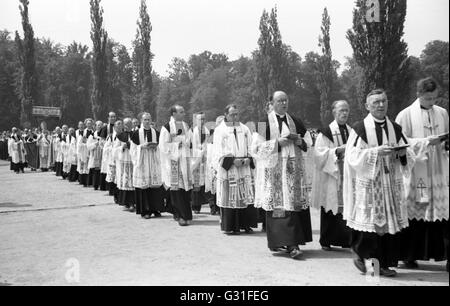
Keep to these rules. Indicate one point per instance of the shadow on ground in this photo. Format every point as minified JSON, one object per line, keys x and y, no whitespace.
{"x":13,"y":205}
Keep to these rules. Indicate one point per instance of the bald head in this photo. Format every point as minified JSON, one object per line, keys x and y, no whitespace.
{"x":280,"y":102}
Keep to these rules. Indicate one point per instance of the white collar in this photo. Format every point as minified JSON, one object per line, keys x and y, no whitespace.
{"x":378,"y":120}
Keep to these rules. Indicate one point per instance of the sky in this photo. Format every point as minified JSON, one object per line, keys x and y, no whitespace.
{"x":185,"y":27}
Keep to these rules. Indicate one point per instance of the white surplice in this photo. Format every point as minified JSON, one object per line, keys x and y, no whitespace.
{"x":16,"y":149}
{"x":327,"y":179}
{"x":175,"y":160}
{"x":282,"y":181}
{"x":198,"y":161}
{"x":146,"y":163}
{"x":45,"y":147}
{"x":374,"y":197}
{"x":428,"y":186}
{"x":235,"y":187}
{"x":94,"y":147}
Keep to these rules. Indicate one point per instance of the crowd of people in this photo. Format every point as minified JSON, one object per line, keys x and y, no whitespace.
{"x":381,"y":185}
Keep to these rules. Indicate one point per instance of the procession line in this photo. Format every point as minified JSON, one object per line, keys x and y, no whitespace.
{"x":55,"y":208}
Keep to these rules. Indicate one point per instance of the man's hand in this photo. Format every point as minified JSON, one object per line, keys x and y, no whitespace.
{"x":340,"y":150}
{"x":124,"y":147}
{"x":402,"y":153}
{"x":434,"y":140}
{"x":283,"y":142}
{"x":152,"y":145}
{"x":299,"y":142}
{"x":237,"y":162}
{"x":384,"y":150}
{"x":246,"y":162}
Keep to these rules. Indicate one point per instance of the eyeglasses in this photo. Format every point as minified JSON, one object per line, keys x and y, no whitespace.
{"x":282,"y":101}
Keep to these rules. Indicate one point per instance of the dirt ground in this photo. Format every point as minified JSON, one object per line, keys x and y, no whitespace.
{"x":53,"y":232}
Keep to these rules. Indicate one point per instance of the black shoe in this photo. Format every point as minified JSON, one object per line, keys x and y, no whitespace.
{"x":326,"y":248}
{"x":146,"y":217}
{"x":296,"y":253}
{"x":182,"y":222}
{"x":280,"y":249}
{"x":387,"y":272}
{"x":157,"y":215}
{"x":411,"y":264}
{"x":360,"y":265}
{"x":248,"y":230}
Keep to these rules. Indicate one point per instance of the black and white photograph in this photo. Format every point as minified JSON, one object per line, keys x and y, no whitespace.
{"x":223,"y":150}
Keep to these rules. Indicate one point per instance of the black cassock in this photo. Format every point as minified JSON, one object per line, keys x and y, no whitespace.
{"x":333,"y":229}
{"x":386,"y":249}
{"x":125,"y":198}
{"x":294,"y":228}
{"x":199,"y":197}
{"x":150,"y":200}
{"x":234,"y":220}
{"x":4,"y":149}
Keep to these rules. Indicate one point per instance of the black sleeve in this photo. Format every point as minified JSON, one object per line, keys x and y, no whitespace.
{"x":399,"y":136}
{"x":103,"y":132}
{"x":227,"y":163}
{"x":122,"y":137}
{"x":252,"y":163}
{"x":403,"y":160}
{"x":326,"y":131}
{"x":135,"y":137}
{"x":301,"y":129}
{"x":360,"y":130}
{"x":399,"y":133}
{"x":157,"y":137}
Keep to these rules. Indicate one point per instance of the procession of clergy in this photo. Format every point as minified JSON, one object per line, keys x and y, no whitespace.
{"x":382,"y":186}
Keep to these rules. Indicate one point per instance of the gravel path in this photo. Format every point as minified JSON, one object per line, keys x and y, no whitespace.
{"x":50,"y":226}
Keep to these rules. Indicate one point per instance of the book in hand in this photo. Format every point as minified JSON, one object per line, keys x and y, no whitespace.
{"x":443,"y":137}
{"x":293,"y":137}
{"x":399,"y":148}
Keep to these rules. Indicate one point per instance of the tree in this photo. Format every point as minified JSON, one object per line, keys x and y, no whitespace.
{"x":350,"y":83}
{"x":325,"y":69}
{"x":262,"y":60}
{"x":310,"y":90}
{"x":175,"y":89}
{"x":379,"y":49}
{"x":27,"y":86}
{"x":434,"y":62}
{"x":143,"y":57}
{"x":76,"y":86}
{"x":10,"y":105}
{"x":99,"y":38}
{"x":273,"y":61}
